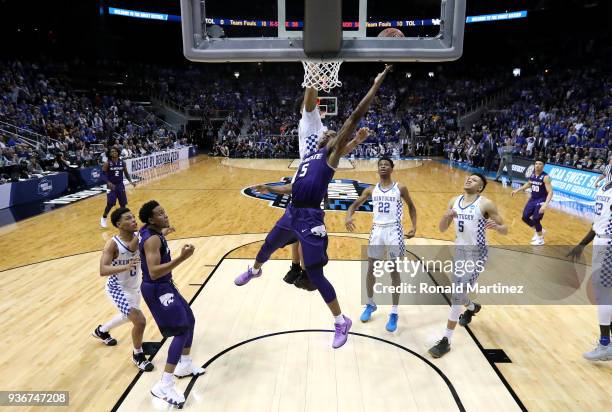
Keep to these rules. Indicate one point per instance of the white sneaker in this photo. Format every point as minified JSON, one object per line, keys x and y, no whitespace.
{"x":539,"y":241}
{"x":168,"y":393}
{"x":535,"y":235}
{"x":184,"y":369}
{"x":600,"y":353}
{"x":103,"y":222}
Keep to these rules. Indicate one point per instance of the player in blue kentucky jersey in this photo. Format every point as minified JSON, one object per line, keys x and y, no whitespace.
{"x":113,"y":172}
{"x":306,"y":217}
{"x":169,"y":309}
{"x":541,"y":195}
{"x":601,"y":270}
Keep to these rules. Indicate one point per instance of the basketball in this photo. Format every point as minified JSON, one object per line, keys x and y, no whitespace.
{"x":391,"y":32}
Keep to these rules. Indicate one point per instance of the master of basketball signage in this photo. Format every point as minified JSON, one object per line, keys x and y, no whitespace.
{"x":341,"y":193}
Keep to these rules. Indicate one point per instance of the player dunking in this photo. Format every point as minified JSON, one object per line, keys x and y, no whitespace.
{"x":601,"y":272}
{"x":169,"y":309}
{"x":311,"y":130}
{"x":112,"y":173}
{"x":472,"y":214}
{"x":121,"y":263}
{"x":387,"y":235}
{"x":541,"y":195}
{"x":307,"y":225}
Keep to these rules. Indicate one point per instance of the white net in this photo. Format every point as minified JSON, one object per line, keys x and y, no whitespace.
{"x":322,"y":76}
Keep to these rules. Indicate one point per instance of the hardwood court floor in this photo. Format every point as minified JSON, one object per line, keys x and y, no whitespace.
{"x":53,"y":297}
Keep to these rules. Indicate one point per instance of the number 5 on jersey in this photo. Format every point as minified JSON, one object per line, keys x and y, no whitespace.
{"x":304,"y":170}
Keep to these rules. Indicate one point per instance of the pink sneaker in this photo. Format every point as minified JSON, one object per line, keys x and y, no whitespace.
{"x":342,"y":331}
{"x":244,"y":278}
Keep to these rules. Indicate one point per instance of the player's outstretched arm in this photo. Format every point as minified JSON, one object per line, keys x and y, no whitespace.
{"x":336,"y":146}
{"x":106,"y":261}
{"x":411,"y":210}
{"x":279,"y":190}
{"x":524,"y":187}
{"x":310,"y":99}
{"x":157,"y":269}
{"x":350,"y":225}
{"x":448,"y":216}
{"x":495,"y":221}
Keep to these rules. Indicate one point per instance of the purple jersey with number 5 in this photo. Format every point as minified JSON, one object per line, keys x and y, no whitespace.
{"x":312,"y":179}
{"x":538,"y":188}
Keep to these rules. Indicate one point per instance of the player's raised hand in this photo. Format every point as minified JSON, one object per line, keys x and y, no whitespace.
{"x":350,"y":225}
{"x":187,"y":251}
{"x":263,"y":189}
{"x":381,"y":76}
{"x":362,"y":134}
{"x":575,"y":253}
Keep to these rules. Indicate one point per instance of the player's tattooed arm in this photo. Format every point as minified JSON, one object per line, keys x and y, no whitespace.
{"x":106,"y":261}
{"x":348,"y":222}
{"x":494,"y":221}
{"x":158,"y":269}
{"x":411,"y":210}
{"x":448,"y":216}
{"x":279,"y":190}
{"x":338,"y":143}
{"x":524,"y":187}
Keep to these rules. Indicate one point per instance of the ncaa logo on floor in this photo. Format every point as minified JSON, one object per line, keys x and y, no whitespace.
{"x":341,"y":193}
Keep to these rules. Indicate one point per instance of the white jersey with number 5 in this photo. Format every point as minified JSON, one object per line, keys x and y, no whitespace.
{"x":602,"y":216}
{"x":128,"y":280}
{"x":387,"y":204}
{"x":310,"y":131}
{"x":469,"y":223}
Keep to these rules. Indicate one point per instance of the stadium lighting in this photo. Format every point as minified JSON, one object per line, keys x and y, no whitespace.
{"x":430,"y":74}
{"x":516,"y":72}
{"x":408,"y":75}
{"x":236,"y":74}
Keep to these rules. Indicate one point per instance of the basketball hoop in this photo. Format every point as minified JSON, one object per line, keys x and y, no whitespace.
{"x":322,"y":76}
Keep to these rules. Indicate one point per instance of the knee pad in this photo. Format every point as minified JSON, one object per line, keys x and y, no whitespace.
{"x":455,"y":311}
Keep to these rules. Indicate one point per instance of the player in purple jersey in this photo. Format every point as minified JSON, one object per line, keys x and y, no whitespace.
{"x":112,"y":173}
{"x":169,"y":309}
{"x":305,"y":215}
{"x":541,"y":195}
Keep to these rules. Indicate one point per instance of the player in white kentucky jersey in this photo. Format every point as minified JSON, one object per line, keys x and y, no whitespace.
{"x":121,"y":263}
{"x":472,"y":215}
{"x":601,"y":269}
{"x":387,"y":235}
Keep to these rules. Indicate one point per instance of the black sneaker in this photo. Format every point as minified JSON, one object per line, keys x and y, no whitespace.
{"x":440,"y":349}
{"x":293,"y":274}
{"x":303,"y":282}
{"x":105,"y":337}
{"x":466,"y":317}
{"x":141,"y":361}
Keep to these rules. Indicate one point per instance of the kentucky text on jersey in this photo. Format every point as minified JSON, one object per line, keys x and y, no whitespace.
{"x":383,"y":198}
{"x":461,"y":216}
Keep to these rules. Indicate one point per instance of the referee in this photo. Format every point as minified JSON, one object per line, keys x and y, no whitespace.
{"x":606,"y":175}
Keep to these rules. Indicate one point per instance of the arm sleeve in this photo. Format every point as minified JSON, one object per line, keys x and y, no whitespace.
{"x":309,"y":131}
